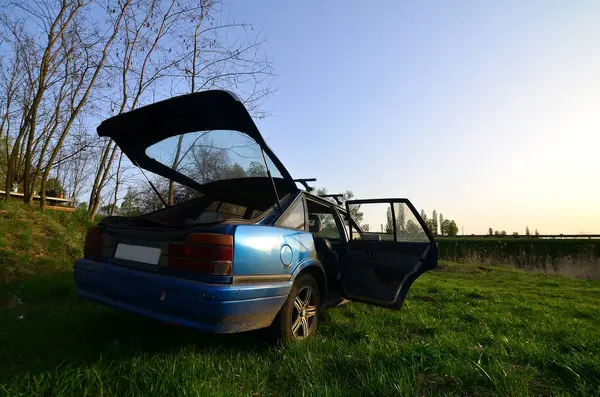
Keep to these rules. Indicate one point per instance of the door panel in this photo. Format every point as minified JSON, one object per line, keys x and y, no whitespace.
{"x":383,"y":265}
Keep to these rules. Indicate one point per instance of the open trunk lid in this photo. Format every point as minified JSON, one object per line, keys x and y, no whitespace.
{"x":183,"y":125}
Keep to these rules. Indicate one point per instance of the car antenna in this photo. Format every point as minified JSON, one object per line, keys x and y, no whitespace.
{"x":153,"y":187}
{"x":305,"y":184}
{"x":271,"y":178}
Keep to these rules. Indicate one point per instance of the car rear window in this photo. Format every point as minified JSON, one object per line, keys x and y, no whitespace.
{"x":208,"y":156}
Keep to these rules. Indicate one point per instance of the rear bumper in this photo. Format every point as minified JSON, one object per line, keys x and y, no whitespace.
{"x":219,"y":308}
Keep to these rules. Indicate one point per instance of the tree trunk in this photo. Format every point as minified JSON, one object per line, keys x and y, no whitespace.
{"x":46,"y":170}
{"x":12,"y":162}
{"x":100,"y":179}
{"x":175,"y":164}
{"x":105,"y":152}
{"x":117,"y":182}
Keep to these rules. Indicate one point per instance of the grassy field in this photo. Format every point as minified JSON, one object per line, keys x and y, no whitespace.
{"x":464,"y":330}
{"x":578,"y":258}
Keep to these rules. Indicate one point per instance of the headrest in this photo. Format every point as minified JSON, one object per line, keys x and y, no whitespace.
{"x":210,"y":217}
{"x":314,"y":223}
{"x":322,"y":244}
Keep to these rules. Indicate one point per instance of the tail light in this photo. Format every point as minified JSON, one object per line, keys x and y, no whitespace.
{"x":203,"y":253}
{"x":93,"y":243}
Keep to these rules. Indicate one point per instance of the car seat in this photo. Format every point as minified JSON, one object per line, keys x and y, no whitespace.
{"x":327,"y":256}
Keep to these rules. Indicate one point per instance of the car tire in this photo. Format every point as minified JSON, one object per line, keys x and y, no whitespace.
{"x":299,"y":315}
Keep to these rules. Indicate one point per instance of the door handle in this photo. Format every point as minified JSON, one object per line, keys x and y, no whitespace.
{"x":371,"y":255}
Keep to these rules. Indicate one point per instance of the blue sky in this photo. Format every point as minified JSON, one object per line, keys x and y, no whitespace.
{"x":488,"y":112}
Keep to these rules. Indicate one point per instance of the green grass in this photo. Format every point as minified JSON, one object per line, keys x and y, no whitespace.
{"x":464,"y":330}
{"x":36,"y":243}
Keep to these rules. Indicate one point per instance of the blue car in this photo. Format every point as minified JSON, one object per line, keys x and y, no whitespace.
{"x":234,"y":243}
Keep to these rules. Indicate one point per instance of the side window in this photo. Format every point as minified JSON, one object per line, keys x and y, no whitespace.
{"x":323,"y":222}
{"x":294,"y":217}
{"x":347,"y":226}
{"x":387,"y":221}
{"x":408,"y":228}
{"x":329,"y":227}
{"x":377,"y":224}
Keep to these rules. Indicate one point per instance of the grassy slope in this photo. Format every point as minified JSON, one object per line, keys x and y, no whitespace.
{"x":464,"y":330}
{"x":36,"y":243}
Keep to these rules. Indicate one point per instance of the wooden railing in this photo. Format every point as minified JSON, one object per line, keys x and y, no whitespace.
{"x":52,"y":201}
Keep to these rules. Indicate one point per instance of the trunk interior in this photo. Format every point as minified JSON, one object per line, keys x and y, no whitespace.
{"x":142,"y":242}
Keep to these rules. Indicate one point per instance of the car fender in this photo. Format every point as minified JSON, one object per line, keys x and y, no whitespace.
{"x":310,"y":264}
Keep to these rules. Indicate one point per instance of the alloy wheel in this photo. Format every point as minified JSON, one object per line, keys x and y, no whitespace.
{"x":304,"y":312}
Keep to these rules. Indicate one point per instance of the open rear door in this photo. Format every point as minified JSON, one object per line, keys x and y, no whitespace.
{"x":392,"y":247}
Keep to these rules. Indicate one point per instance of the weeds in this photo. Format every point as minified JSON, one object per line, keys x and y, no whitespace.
{"x":568,"y":257}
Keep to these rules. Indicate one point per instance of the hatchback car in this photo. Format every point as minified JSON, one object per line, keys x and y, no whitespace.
{"x":244,"y":247}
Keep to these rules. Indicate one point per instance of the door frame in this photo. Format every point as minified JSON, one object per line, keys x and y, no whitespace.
{"x":391,"y":201}
{"x":425,"y":259}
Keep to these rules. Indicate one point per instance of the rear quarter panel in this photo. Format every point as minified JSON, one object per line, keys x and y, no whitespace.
{"x":258,"y":250}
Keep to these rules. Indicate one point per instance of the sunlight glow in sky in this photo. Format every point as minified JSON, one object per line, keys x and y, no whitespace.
{"x":488,"y":112}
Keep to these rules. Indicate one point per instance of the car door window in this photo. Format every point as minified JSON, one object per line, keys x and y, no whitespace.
{"x":349,"y":224}
{"x":329,"y":226}
{"x":408,"y":228}
{"x":295,"y":217}
{"x":377,"y":222}
{"x":390,"y":222}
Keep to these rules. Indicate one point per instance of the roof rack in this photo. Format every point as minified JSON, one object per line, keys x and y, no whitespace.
{"x":305,"y":184}
{"x":336,"y":197}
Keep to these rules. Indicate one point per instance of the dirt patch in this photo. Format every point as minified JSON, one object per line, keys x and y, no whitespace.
{"x":475,"y":295}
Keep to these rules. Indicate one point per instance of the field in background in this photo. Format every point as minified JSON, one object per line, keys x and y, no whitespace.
{"x":466,"y":329}
{"x":578,"y":258}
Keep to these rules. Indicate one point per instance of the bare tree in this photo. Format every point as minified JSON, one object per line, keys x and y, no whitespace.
{"x":54,"y":23}
{"x":11,"y":79}
{"x":86,"y":79}
{"x":78,"y":168}
{"x":140,"y":63}
{"x":66,"y":63}
{"x":211,"y":61}
{"x":18,"y":49}
{"x":62,"y":66}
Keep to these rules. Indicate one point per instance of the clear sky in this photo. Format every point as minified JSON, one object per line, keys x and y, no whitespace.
{"x":488,"y":112}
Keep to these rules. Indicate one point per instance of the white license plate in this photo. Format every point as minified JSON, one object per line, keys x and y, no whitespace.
{"x":138,"y":253}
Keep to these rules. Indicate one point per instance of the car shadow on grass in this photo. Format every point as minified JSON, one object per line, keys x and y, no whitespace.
{"x":45,"y":325}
